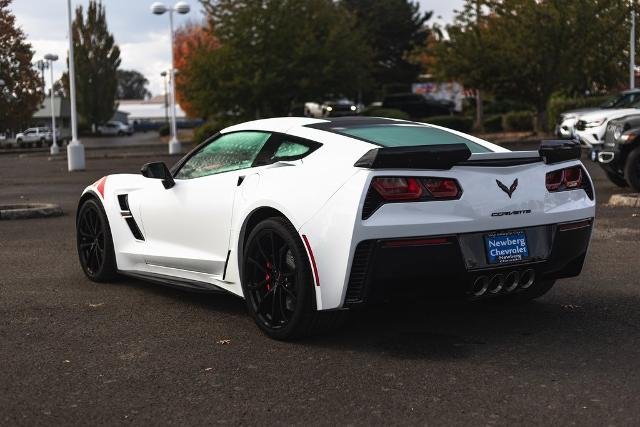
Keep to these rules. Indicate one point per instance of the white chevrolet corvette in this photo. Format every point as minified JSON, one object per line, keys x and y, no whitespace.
{"x":306,"y":218}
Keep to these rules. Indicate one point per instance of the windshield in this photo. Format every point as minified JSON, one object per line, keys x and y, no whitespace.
{"x":406,"y":135}
{"x":622,"y":101}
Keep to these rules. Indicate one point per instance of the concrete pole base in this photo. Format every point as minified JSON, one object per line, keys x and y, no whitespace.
{"x":54,"y":149}
{"x":75,"y":156}
{"x":175,"y":147}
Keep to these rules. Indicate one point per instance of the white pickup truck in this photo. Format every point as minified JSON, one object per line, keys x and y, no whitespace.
{"x":38,"y":136}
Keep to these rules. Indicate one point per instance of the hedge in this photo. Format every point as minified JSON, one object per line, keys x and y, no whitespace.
{"x":518,"y":121}
{"x":493,"y":123}
{"x":204,"y":131}
{"x":459,"y":123}
{"x":385,"y":112}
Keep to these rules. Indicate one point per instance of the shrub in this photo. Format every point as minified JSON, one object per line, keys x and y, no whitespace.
{"x":459,"y":123}
{"x":204,"y":131}
{"x":493,"y":123}
{"x":518,"y":121}
{"x":560,"y":105}
{"x":504,"y":106}
{"x":164,"y":130}
{"x":385,"y":112}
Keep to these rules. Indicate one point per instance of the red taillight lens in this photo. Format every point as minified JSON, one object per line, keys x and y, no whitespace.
{"x":442,"y":188}
{"x":398,"y":188}
{"x":573,"y":177}
{"x":554,"y":180}
{"x":565,"y":179}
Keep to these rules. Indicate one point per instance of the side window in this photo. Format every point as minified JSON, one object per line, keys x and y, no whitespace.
{"x":290,"y":149}
{"x":229,"y":152}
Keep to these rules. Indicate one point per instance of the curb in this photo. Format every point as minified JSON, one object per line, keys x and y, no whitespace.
{"x":629,"y":200}
{"x":29,"y":210}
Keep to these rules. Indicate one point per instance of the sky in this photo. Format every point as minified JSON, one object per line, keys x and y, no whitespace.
{"x":143,"y":37}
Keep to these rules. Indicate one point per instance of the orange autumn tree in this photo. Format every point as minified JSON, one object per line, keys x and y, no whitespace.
{"x":189,"y":39}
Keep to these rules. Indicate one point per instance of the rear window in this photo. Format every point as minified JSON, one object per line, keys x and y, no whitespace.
{"x":403,"y":135}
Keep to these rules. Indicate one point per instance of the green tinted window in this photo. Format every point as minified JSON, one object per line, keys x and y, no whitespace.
{"x":409,"y":135}
{"x":290,"y":149}
{"x":229,"y":152}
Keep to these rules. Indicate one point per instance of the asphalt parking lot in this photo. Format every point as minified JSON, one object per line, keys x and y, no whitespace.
{"x":77,"y":353}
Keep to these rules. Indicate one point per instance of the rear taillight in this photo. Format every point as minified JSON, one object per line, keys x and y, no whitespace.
{"x":567,"y":179}
{"x":387,"y":189}
{"x":442,"y":188}
{"x":398,"y":188}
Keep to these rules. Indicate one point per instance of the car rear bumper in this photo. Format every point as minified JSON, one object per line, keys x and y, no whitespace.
{"x":450,"y":265}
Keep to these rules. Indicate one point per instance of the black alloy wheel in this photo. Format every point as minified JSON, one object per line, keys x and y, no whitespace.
{"x":278,"y":284}
{"x":95,"y":247}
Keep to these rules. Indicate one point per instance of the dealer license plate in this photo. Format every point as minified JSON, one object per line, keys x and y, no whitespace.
{"x":507,"y":247}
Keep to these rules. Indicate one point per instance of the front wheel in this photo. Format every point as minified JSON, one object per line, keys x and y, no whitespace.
{"x":95,"y":245}
{"x":632,"y":169}
{"x":278,"y":284}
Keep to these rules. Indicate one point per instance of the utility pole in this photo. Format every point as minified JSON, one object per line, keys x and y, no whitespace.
{"x":75,"y":150}
{"x":632,"y":51}
{"x":479,"y":108}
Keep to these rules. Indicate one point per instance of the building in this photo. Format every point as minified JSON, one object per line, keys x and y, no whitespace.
{"x":62,"y":108}
{"x":146,"y":114}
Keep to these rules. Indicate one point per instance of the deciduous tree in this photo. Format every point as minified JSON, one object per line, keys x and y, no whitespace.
{"x":132,"y":85}
{"x":22,"y":94}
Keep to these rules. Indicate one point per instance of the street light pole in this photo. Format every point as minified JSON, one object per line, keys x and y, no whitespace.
{"x":75,"y":150}
{"x":632,"y":51}
{"x":159,"y":9}
{"x":54,"y":143}
{"x":166,"y":100}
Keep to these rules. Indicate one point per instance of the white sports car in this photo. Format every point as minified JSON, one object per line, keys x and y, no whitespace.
{"x":306,"y":218}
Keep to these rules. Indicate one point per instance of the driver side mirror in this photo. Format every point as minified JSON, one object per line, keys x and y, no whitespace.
{"x":158,"y":170}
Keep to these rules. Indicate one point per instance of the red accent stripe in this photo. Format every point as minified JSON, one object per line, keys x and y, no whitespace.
{"x":416,"y":242}
{"x":99,"y":184}
{"x":313,"y":260}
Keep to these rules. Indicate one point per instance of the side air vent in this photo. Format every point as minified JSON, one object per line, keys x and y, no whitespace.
{"x":133,"y":226}
{"x":123,"y":200}
{"x":358,"y":275}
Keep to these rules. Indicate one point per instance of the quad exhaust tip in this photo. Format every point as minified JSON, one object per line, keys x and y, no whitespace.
{"x":500,"y":283}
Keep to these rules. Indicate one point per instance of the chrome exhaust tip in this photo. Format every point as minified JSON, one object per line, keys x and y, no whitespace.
{"x":527,"y":279}
{"x":496,"y":283}
{"x":480,"y":286}
{"x":512,"y":281}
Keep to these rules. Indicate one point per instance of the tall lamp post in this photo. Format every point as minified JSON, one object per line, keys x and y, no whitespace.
{"x":50,"y":57}
{"x":166,"y":101}
{"x":75,"y":150}
{"x":159,"y":9}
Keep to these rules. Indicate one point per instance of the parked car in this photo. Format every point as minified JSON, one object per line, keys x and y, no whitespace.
{"x":619,"y":156}
{"x":591,"y":127}
{"x":37,"y":135}
{"x":337,"y":107}
{"x":308,"y":218}
{"x":418,"y":106}
{"x":565,"y":126}
{"x":115,"y":128}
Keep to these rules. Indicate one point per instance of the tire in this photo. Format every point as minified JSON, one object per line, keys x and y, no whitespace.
{"x":40,"y":142}
{"x":617,"y":179}
{"x":19,"y":143}
{"x":94,"y":242}
{"x":120,"y":133}
{"x":632,"y":169}
{"x":278,"y":284}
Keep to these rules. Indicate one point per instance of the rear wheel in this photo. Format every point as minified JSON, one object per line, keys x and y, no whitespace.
{"x":95,"y":245}
{"x":617,"y":179}
{"x":632,"y":169}
{"x":278,"y":284}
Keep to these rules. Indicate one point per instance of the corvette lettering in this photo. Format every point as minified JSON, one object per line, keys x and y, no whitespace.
{"x":521,"y":212}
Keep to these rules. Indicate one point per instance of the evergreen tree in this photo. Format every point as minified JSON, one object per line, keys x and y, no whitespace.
{"x":97,"y":59}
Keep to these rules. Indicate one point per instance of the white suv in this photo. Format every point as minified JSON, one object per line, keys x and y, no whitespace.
{"x":39,"y":136}
{"x":115,"y":128}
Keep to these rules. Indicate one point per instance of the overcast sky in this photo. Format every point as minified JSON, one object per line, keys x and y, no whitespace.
{"x":143,"y":38}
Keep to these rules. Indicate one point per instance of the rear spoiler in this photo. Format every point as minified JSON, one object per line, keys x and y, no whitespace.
{"x":445,"y":156}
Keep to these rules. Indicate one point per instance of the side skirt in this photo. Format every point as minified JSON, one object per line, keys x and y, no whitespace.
{"x":175,"y":282}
